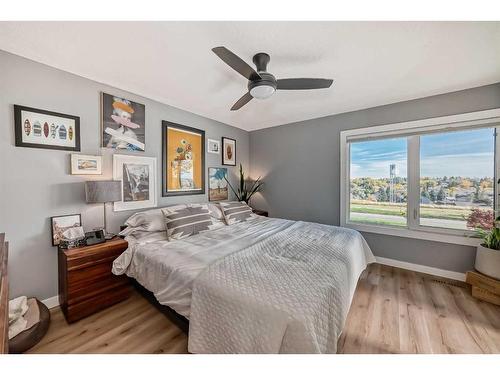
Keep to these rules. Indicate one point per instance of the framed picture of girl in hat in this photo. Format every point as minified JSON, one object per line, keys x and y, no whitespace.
{"x":123,"y":123}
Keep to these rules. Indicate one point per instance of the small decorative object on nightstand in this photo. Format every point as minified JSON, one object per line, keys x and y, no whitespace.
{"x":260,"y":212}
{"x":86,"y":284}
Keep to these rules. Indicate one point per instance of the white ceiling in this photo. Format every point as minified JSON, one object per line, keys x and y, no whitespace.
{"x":372,"y":63}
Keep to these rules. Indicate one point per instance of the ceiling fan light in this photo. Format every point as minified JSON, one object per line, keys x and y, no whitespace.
{"x":262,"y":91}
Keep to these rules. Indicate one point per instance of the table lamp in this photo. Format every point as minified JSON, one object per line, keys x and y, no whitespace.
{"x":103,"y":192}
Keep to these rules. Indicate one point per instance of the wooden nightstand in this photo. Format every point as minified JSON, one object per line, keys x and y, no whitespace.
{"x":86,"y":284}
{"x":260,"y":212}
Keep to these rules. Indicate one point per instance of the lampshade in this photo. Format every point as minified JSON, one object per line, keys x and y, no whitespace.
{"x":103,"y":191}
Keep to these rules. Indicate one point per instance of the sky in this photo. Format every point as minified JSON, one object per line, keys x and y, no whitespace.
{"x":463,"y":153}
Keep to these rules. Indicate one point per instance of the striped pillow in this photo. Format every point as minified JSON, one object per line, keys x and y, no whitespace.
{"x":187,"y":221}
{"x":235,"y":212}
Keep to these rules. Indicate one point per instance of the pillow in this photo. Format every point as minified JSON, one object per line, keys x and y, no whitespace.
{"x":215,"y":211}
{"x":235,"y":212}
{"x":187,"y":221}
{"x":150,"y":220}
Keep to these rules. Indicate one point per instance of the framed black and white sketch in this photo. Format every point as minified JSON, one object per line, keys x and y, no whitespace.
{"x":59,"y":224}
{"x":44,"y":129}
{"x":138,"y":177}
{"x":86,"y":164}
{"x":213,"y":146}
{"x":228,"y":151}
{"x":123,"y":123}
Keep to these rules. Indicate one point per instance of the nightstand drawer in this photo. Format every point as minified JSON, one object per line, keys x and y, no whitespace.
{"x":88,"y":275}
{"x":89,"y":306}
{"x":98,"y":255}
{"x":103,"y":286}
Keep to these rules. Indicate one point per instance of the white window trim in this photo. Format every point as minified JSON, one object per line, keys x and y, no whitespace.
{"x":465,"y":120}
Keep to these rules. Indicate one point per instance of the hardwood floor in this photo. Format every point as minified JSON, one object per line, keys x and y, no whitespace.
{"x":393,"y":311}
{"x":131,"y":326}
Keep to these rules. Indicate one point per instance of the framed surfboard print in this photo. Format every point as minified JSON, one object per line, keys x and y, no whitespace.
{"x":44,"y":129}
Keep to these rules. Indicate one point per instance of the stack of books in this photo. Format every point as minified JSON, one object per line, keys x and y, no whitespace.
{"x":484,"y":287}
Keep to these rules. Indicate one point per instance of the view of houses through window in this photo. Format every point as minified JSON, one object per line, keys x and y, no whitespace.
{"x":456,"y":180}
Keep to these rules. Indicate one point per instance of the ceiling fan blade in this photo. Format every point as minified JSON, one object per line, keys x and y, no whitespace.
{"x":236,"y":63}
{"x":242,"y":101}
{"x":303,"y":83}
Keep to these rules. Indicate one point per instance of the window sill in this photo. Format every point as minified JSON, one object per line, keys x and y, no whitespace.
{"x":417,"y":234}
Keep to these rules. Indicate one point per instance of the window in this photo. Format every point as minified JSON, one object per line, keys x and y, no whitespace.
{"x":378,"y":191}
{"x":456,"y":179}
{"x":432,"y":179}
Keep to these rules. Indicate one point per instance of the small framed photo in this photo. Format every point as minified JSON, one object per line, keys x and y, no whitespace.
{"x":228,"y":151}
{"x":213,"y":146}
{"x":85,"y":164}
{"x":59,"y":224}
{"x":43,"y":129}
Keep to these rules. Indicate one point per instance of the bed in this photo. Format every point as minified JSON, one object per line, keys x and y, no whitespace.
{"x":264,"y":285}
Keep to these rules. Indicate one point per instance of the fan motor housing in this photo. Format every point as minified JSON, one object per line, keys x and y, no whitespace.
{"x":267,"y":80}
{"x":262,"y":88}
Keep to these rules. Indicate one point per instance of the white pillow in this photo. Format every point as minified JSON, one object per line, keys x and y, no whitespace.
{"x":150,"y":220}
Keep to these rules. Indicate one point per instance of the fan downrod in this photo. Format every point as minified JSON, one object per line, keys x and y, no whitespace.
{"x":261,"y":60}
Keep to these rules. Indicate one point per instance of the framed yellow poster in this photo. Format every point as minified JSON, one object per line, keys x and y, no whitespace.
{"x":183,"y":161}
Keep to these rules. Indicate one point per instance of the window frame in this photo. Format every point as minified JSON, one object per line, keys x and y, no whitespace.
{"x":411,"y":130}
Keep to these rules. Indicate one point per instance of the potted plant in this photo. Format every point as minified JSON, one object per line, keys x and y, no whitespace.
{"x":488,"y":251}
{"x":246,"y":188}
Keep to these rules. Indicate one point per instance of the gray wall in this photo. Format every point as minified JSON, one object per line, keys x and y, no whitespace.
{"x":301,"y":166}
{"x":35,"y":184}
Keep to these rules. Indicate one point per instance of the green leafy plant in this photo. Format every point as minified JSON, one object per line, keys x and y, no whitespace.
{"x":247,"y":188}
{"x":490,"y":237}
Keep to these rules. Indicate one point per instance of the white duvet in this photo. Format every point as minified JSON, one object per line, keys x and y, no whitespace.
{"x":262,"y":286}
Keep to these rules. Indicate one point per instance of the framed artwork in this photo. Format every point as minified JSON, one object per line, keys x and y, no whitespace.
{"x":86,"y":164}
{"x":138,"y":177}
{"x":213,"y":146}
{"x":183,"y":164}
{"x":43,"y":129}
{"x":217,"y":184}
{"x":59,"y":224}
{"x":228,"y":151}
{"x":123,"y":123}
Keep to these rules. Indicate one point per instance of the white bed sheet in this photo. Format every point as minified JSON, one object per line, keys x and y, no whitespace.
{"x":169,"y":268}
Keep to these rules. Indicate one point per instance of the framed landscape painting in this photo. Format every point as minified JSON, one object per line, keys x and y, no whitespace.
{"x":183,"y":160}
{"x":228,"y":151}
{"x":123,"y":123}
{"x":43,"y":129}
{"x":85,"y":164}
{"x":217,"y":187}
{"x":138,"y":177}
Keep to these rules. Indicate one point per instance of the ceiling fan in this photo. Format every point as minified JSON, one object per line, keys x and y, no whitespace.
{"x":261,"y":84}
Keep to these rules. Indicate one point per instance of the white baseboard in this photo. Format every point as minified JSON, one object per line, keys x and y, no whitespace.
{"x":421,"y":268}
{"x":51,"y":302}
